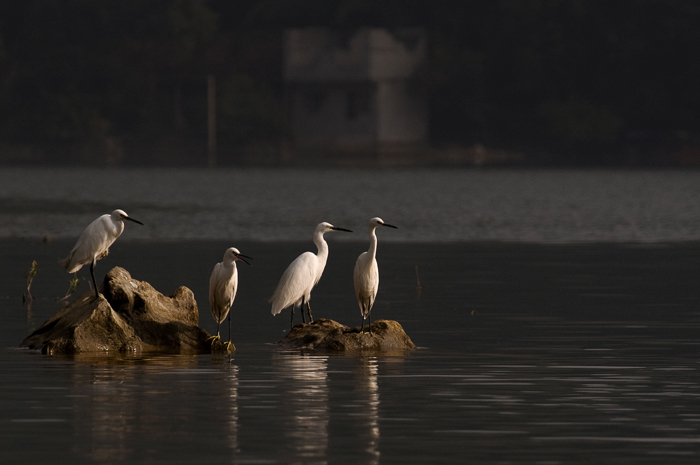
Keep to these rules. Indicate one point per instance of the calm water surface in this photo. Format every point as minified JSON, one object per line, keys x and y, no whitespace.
{"x":530,"y":352}
{"x":429,"y":205}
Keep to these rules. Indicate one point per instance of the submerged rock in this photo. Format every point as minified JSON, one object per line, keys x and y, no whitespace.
{"x":386,"y":335}
{"x":130,"y":315}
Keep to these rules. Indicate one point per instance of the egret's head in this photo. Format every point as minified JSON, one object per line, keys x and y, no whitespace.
{"x":325,"y":227}
{"x":233,"y":254}
{"x":376,"y":221}
{"x":120,"y":215}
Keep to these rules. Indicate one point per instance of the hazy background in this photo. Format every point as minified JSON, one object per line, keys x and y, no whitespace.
{"x":561,"y":82}
{"x":556,"y":308}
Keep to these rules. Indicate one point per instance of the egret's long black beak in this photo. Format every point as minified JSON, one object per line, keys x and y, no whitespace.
{"x":131,"y":219}
{"x":243,"y":258}
{"x":389,"y":225}
{"x":340,"y":229}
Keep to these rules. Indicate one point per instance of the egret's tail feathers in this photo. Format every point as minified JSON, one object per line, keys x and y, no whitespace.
{"x":366,"y":303}
{"x":278,"y":300}
{"x":66,"y":263}
{"x":276,"y":306}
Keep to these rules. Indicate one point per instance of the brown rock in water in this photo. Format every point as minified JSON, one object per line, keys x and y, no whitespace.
{"x":387,"y":335}
{"x":130,"y":315}
{"x":85,"y":325}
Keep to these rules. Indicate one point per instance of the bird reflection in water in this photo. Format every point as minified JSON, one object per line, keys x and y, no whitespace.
{"x":306,"y":396}
{"x":232,"y":420}
{"x":368,"y":386}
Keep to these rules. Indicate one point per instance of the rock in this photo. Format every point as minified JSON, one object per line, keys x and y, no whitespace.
{"x":387,"y":335}
{"x":85,"y":325}
{"x":217,"y":346}
{"x":129,"y":316}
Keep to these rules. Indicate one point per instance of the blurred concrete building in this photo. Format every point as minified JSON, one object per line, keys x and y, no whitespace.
{"x":356,"y":96}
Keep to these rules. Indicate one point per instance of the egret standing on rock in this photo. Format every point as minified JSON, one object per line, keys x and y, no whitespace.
{"x":93,"y":244}
{"x":223,"y":285}
{"x":366,"y":274}
{"x":302,"y":275}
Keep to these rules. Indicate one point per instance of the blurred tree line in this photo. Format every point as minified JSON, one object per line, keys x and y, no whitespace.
{"x":579,"y":80}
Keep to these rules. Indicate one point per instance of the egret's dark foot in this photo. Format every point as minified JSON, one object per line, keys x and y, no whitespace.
{"x":228,"y":345}
{"x":214,"y":338}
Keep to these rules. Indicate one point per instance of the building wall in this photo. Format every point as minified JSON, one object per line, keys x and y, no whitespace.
{"x":390,"y":58}
{"x":334,"y":114}
{"x":351,"y":90}
{"x":401,"y":116}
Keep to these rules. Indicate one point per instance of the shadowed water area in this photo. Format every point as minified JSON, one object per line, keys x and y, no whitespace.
{"x":529,"y":352}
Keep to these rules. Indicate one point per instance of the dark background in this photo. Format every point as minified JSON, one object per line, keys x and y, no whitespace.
{"x":611,"y":82}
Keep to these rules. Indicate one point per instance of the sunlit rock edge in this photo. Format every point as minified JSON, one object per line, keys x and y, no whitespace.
{"x":329,"y":335}
{"x":129,"y":316}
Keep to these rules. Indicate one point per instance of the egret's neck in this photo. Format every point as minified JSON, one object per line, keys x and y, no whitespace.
{"x":322,"y":246}
{"x":118,"y":227}
{"x":372,"y":242}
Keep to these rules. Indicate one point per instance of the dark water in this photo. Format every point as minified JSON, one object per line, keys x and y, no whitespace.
{"x":529,"y":353}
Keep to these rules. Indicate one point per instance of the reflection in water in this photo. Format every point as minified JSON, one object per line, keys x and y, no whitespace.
{"x":231,"y":384}
{"x":102,"y":420}
{"x":306,"y":399}
{"x":368,"y":385}
{"x":113,"y":402}
{"x":31,"y":323}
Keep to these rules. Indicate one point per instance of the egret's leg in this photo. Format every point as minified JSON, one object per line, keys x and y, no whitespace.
{"x":303,"y":318}
{"x":369,"y":315}
{"x":212,"y":338}
{"x":308,"y":306}
{"x":364,"y":315}
{"x":230,"y":342}
{"x":291,"y":325}
{"x":92,"y":273}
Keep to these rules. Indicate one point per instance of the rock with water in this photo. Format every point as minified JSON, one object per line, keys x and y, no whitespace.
{"x":386,"y":335}
{"x":129,"y":316}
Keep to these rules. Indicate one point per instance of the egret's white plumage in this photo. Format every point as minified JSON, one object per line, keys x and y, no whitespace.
{"x":93,"y":244}
{"x":366,"y":273}
{"x":300,"y":277}
{"x":223,"y":285}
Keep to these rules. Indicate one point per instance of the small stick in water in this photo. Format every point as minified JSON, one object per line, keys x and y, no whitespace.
{"x":30,"y":277}
{"x":72,"y":287}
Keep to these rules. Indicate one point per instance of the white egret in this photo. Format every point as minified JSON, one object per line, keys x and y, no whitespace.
{"x":93,"y":244}
{"x":366,"y":274}
{"x":223,"y":285}
{"x":302,"y":275}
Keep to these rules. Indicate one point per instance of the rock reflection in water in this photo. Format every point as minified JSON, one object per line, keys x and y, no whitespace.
{"x":103,"y":416}
{"x":115,"y":402}
{"x":305,"y":399}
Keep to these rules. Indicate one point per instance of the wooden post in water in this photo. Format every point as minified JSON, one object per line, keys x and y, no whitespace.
{"x":211,"y":120}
